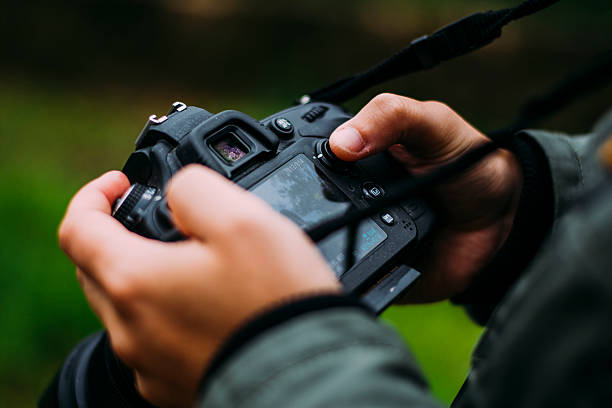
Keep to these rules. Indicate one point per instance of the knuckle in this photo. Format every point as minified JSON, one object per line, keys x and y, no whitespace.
{"x":436,"y":105}
{"x":68,"y":234}
{"x":65,"y":233}
{"x":439,"y":110}
{"x":395,"y":107}
{"x":385,"y":98}
{"x":122,"y":289}
{"x":390,"y":104}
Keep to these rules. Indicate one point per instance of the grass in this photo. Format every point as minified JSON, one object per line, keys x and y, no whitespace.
{"x":441,"y":336}
{"x":54,"y":141}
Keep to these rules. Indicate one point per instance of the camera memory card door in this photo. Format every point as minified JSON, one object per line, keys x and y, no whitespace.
{"x":390,"y":288}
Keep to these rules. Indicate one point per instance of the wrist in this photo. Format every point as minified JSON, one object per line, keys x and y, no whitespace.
{"x":271,"y":318}
{"x":530,"y":223}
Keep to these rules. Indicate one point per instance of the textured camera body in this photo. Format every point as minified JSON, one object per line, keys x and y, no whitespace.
{"x":286,"y":160}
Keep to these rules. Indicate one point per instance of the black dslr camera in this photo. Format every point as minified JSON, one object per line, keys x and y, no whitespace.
{"x":286,"y":160}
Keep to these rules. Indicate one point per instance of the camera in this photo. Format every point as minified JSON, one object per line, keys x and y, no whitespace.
{"x":287,"y":161}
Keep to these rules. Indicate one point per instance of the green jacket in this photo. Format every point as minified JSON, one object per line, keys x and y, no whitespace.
{"x":548,"y":340}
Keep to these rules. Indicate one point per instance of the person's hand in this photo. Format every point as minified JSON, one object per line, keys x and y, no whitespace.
{"x":169,"y":306}
{"x":476,"y":208}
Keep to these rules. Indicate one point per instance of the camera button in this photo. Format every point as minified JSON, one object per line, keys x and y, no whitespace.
{"x":372,"y":191}
{"x":315,"y":113}
{"x":326,"y":156}
{"x":387,"y":219}
{"x":414,"y":208}
{"x":282,"y":127}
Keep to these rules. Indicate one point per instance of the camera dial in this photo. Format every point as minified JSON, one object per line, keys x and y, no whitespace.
{"x":325,"y":154}
{"x":131,"y":207}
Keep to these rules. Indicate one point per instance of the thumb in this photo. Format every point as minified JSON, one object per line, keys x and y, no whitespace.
{"x":422,"y":127}
{"x":209,"y":207}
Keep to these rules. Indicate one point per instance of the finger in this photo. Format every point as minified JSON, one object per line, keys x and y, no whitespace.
{"x":88,"y":234}
{"x":389,"y":119}
{"x":101,"y":193}
{"x":96,"y":297}
{"x":117,"y":260}
{"x":103,"y":306}
{"x":113,"y":319}
{"x":87,"y":224}
{"x":208,"y":206}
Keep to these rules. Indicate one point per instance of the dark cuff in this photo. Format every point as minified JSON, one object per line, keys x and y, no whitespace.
{"x":531,"y":225}
{"x":93,"y":376}
{"x":271,"y":319}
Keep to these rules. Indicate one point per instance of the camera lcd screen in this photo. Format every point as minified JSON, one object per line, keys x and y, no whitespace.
{"x":296,"y":190}
{"x":230,"y":148}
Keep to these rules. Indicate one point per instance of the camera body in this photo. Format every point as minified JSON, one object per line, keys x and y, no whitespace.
{"x":286,"y":160}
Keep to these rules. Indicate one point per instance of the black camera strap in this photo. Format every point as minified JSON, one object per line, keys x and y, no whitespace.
{"x":461,"y":37}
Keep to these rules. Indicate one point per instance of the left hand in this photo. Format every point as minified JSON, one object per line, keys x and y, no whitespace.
{"x":169,"y":306}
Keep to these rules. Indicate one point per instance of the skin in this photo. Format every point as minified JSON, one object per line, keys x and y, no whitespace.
{"x":475,"y":209}
{"x":169,"y":306}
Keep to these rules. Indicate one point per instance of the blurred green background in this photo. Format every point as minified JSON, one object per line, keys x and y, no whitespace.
{"x":79,"y":78}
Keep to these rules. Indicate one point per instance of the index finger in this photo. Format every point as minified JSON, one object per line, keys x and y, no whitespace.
{"x":109,"y":253}
{"x":87,"y":231}
{"x":101,"y":193}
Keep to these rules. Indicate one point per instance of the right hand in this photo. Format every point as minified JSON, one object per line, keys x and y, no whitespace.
{"x":476,"y":208}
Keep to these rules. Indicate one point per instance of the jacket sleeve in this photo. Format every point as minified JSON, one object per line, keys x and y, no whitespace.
{"x":548,"y":344}
{"x":329,"y":356}
{"x":571,"y":162}
{"x":570,"y":173}
{"x":555,"y":172}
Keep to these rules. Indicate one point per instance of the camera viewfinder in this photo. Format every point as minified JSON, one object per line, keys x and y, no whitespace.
{"x":230,"y":148}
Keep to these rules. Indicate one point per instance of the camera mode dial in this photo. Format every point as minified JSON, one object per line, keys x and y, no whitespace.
{"x":130,"y":208}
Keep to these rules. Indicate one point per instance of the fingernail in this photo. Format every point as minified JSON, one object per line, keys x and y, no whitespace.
{"x":350,"y":139}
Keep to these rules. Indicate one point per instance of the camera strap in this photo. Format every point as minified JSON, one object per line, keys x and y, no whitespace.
{"x":458,"y":38}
